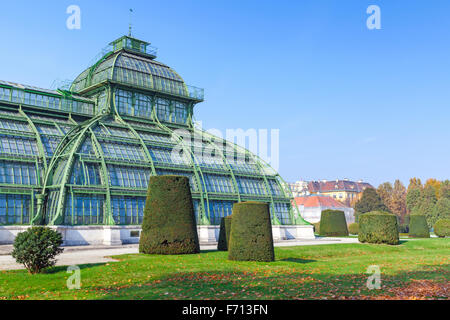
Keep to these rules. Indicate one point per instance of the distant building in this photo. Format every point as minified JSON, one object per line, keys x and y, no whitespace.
{"x":344,"y":191}
{"x":299,"y":188}
{"x":311,"y":207}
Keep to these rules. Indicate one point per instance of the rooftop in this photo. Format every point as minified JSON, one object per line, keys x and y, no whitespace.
{"x":337,"y":185}
{"x":318,"y":201}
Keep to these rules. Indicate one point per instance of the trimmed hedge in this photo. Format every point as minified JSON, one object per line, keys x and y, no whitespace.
{"x":169,"y":225}
{"x":378,"y":227}
{"x":333,"y":224}
{"x":418,"y":227}
{"x":353,"y":228}
{"x":251,"y":233}
{"x":224,"y":234}
{"x":442,"y":228}
{"x":403,"y":228}
{"x":317,"y":227}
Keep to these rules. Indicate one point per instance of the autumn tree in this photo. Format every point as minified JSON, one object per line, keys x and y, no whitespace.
{"x":415,"y":183}
{"x":436,"y":186}
{"x":385,"y":191}
{"x":398,"y":200}
{"x":394,"y":197}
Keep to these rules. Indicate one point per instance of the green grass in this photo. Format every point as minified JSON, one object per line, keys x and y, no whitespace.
{"x":308,"y":272}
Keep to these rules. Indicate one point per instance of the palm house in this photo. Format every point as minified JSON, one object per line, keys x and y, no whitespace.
{"x":79,"y":158}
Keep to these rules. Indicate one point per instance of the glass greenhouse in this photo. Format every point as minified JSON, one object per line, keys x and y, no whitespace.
{"x":83,"y":155}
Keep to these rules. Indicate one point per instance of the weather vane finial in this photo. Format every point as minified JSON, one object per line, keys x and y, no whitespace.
{"x":130,"y":27}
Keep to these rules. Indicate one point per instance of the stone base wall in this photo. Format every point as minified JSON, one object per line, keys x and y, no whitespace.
{"x":118,"y":235}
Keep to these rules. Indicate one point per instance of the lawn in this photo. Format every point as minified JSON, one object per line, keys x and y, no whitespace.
{"x":416,"y":269}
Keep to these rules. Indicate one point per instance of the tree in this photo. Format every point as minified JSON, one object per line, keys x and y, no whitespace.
{"x":440,"y":211}
{"x":398,"y":200}
{"x":426,"y":204}
{"x":394,"y":198}
{"x":445,"y":190}
{"x":413,"y":198}
{"x":436,"y":186}
{"x":414,"y":183}
{"x":370,"y":201}
{"x":385,"y":191}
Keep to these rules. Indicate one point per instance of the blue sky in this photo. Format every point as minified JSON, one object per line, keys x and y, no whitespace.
{"x":349,"y":102}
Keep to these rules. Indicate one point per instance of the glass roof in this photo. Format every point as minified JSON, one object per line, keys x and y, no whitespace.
{"x":140,"y":71}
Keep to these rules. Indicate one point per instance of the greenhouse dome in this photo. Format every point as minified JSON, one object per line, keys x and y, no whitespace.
{"x":83,"y":155}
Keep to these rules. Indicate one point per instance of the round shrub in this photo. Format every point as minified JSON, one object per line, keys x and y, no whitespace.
{"x":37,"y":248}
{"x":169,"y":225}
{"x":418,"y":227}
{"x":224,"y":234}
{"x":251,"y":233}
{"x":378,"y":227}
{"x":442,"y":228}
{"x":333,"y":224}
{"x":353,"y":228}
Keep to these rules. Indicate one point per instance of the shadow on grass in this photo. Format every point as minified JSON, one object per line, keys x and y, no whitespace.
{"x":82,"y":267}
{"x":282,"y":284}
{"x":210,"y":251}
{"x":297,"y":260}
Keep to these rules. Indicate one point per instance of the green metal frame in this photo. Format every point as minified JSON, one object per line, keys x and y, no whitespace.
{"x":85,"y":126}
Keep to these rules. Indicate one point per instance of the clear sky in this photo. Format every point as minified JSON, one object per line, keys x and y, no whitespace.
{"x":349,"y":102}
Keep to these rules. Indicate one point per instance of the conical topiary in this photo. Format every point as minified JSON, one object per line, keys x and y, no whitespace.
{"x":418,"y":227}
{"x":333,"y":224}
{"x":251,"y":233}
{"x":224,"y":234}
{"x":169,"y":225}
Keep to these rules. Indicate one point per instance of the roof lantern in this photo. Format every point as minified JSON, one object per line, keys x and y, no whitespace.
{"x":135,"y":45}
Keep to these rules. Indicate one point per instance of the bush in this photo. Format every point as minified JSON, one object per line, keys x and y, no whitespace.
{"x":440,"y":211}
{"x":418,"y":227}
{"x":317,"y":227}
{"x":37,"y":248}
{"x":378,"y":227}
{"x":251,"y":233}
{"x":442,"y":228}
{"x":403,"y":228}
{"x":224,"y":234}
{"x":169,"y":225}
{"x":353,"y":228}
{"x":333,"y":224}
